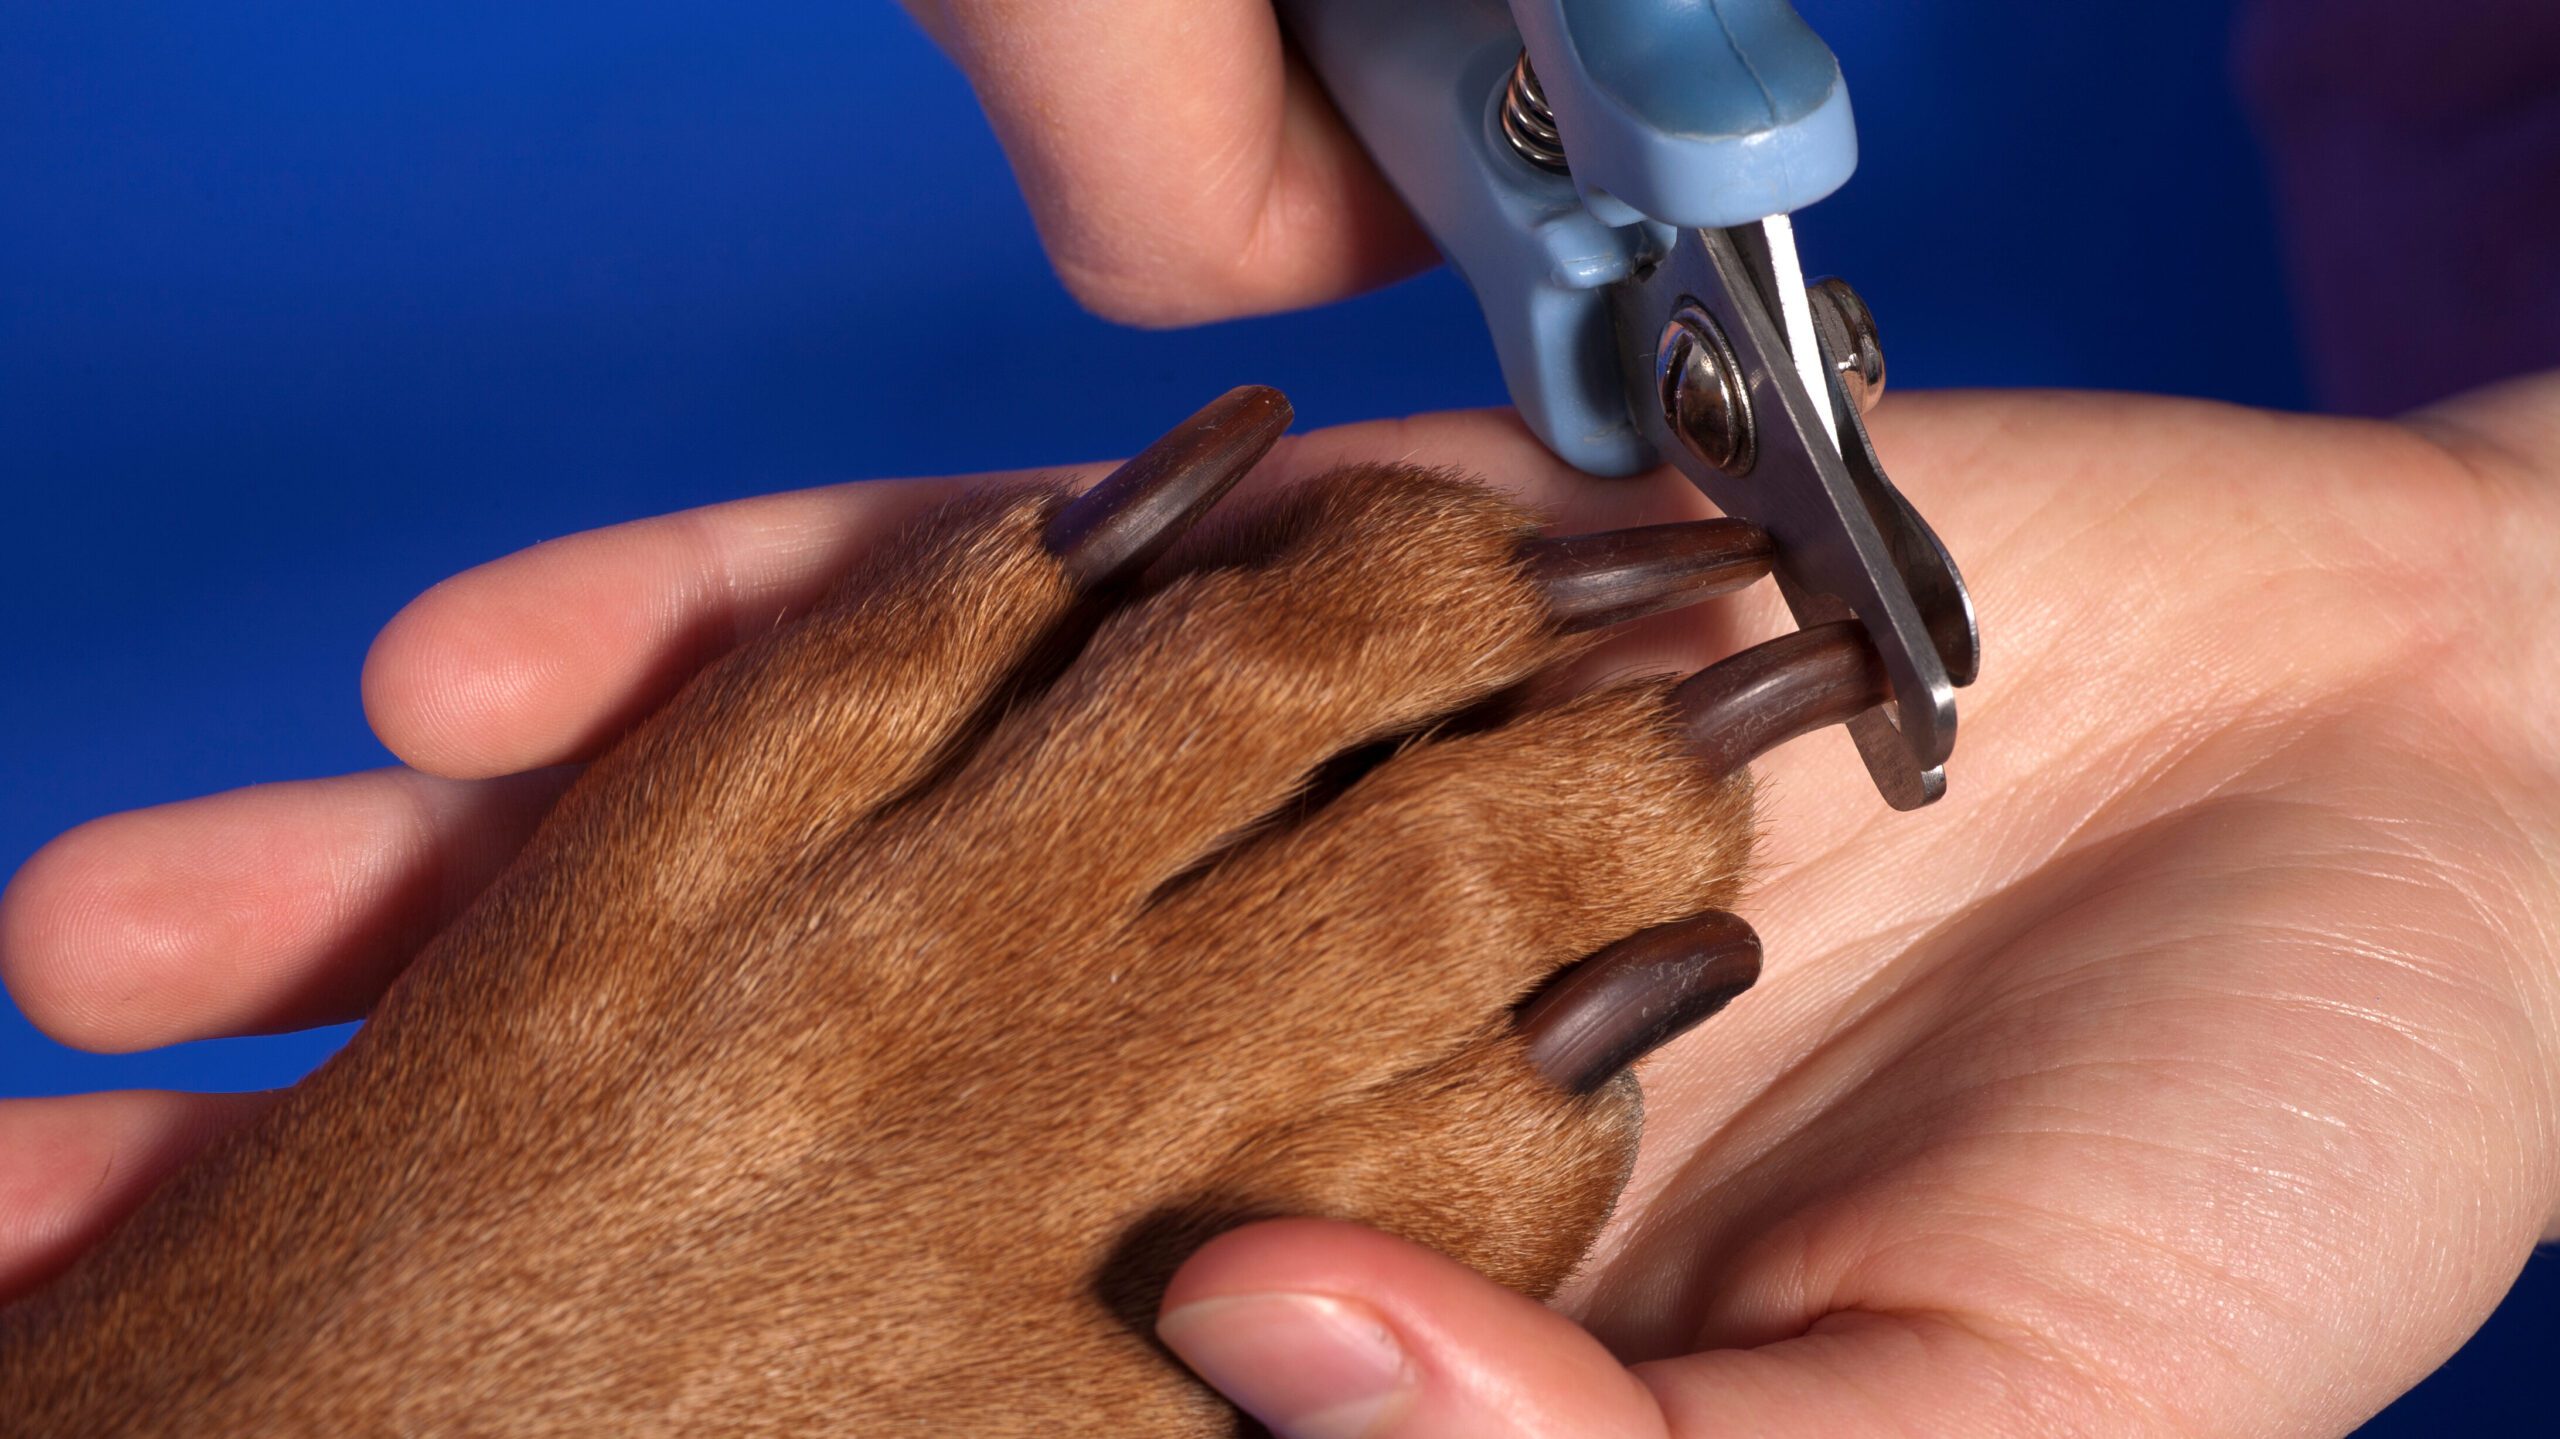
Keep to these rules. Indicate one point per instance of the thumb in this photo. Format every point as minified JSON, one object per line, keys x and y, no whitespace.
{"x":1324,"y":1330}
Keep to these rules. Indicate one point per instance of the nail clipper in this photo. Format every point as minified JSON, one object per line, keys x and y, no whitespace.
{"x":1614,"y":179}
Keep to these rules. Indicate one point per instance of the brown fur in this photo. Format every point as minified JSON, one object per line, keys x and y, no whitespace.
{"x":860,"y":1044}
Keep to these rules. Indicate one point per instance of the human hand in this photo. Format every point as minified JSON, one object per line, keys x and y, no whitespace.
{"x":2189,"y":1067}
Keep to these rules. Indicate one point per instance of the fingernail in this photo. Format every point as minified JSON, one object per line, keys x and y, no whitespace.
{"x":1310,"y":1366}
{"x":1636,"y":996}
{"x":1120,"y":526}
{"x":1592,"y":581}
{"x":1739,"y":709}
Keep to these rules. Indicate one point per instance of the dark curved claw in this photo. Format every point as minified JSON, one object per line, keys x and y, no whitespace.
{"x":1637,"y":995}
{"x":1593,"y":581}
{"x":1112,"y":532}
{"x":1739,"y":709}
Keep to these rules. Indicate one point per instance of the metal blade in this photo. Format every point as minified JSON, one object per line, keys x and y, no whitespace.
{"x":1785,"y":294}
{"x":1780,"y":465}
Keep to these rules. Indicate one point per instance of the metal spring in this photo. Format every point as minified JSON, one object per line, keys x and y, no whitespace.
{"x":1527,"y":122}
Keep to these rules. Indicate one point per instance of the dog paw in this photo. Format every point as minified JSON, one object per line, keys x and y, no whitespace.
{"x":863,"y":1041}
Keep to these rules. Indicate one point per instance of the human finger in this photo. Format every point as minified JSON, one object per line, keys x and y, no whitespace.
{"x":275,"y":907}
{"x":1181,"y":165}
{"x":70,"y":1167}
{"x":545,"y":656}
{"x":1325,"y":1330}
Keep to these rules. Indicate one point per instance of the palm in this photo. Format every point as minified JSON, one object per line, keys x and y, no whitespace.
{"x":2194,"y":1007}
{"x":2197,"y":1005}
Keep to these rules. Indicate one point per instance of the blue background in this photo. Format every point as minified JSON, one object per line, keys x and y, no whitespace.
{"x":305,"y":305}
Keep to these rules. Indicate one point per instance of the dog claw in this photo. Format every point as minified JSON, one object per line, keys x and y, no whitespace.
{"x":1637,"y":995}
{"x":1592,"y":581}
{"x":1739,"y":709}
{"x":1112,"y":532}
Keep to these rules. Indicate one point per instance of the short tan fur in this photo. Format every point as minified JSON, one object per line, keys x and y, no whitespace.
{"x":863,"y":1040}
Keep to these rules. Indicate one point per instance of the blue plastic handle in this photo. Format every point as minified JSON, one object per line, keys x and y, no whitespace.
{"x":1705,"y":113}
